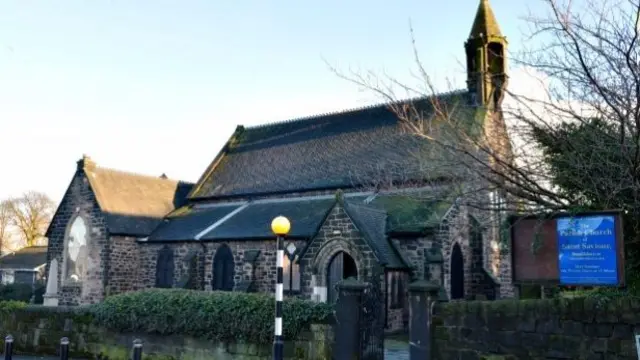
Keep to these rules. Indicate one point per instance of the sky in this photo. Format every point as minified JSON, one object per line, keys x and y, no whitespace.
{"x":157,"y":86}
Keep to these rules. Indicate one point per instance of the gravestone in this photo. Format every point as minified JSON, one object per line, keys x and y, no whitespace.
{"x":51,"y":294}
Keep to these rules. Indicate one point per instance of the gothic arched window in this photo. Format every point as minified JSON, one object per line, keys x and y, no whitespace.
{"x":164,"y":268}
{"x":76,"y":252}
{"x":223,"y":269}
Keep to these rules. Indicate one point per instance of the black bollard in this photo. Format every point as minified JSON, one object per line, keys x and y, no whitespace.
{"x":8,"y":347}
{"x":64,"y":348}
{"x":137,"y":349}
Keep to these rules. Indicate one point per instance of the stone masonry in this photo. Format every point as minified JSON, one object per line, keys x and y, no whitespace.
{"x":124,"y":265}
{"x":579,"y":328}
{"x":79,"y":200}
{"x":337,"y":233}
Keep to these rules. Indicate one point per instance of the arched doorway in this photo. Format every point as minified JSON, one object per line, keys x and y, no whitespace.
{"x":342,"y":266}
{"x":223,"y":269}
{"x":457,"y":273}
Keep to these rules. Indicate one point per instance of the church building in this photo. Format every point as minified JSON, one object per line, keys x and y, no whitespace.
{"x":116,"y":231}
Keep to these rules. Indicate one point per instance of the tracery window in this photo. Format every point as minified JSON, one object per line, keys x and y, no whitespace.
{"x":76,"y":252}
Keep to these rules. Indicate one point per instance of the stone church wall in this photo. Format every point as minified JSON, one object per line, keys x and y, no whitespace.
{"x":148,"y":260}
{"x":337,"y":233}
{"x":80,"y":201}
{"x":124,"y":265}
{"x":260,"y":272}
{"x":415,"y":252}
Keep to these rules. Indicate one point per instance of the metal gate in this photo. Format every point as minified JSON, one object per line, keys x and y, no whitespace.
{"x":372,"y":322}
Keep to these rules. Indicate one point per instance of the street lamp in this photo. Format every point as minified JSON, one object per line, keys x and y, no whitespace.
{"x":280,"y":227}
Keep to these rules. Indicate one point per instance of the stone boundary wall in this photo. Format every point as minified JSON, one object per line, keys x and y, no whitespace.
{"x":37,"y":330}
{"x":581,"y":328}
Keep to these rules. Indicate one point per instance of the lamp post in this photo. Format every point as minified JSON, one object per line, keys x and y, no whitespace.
{"x":280,"y":227}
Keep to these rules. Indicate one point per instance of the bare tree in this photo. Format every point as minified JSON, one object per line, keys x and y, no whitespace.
{"x":31,"y":214}
{"x":5,"y":225}
{"x":575,"y":145}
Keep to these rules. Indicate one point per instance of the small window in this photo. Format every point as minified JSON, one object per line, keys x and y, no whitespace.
{"x":7,"y":277}
{"x":290,"y":270}
{"x":395,"y":285}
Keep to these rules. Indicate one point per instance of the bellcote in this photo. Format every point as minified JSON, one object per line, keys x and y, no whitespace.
{"x":486,"y":60}
{"x":485,"y":25}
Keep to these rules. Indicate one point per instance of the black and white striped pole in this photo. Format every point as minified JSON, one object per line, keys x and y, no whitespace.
{"x":280,"y":227}
{"x":64,"y":348}
{"x":8,"y":347}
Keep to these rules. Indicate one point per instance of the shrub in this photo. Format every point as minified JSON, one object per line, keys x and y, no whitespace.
{"x":216,"y":315}
{"x":10,"y":306}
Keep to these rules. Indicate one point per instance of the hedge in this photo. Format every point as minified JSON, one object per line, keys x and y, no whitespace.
{"x":223,"y":316}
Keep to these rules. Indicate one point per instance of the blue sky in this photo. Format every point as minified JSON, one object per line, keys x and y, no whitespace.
{"x":155,"y":86}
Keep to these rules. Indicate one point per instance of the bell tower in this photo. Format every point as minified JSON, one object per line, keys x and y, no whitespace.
{"x":486,"y":62}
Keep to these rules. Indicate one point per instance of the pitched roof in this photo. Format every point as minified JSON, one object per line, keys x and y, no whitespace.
{"x":414,"y":212}
{"x":133,"y":204}
{"x":254,"y":222}
{"x":244,"y":221}
{"x":25,"y":259}
{"x":372,"y":224}
{"x":328,"y":151}
{"x":485,"y":23}
{"x":187,"y":222}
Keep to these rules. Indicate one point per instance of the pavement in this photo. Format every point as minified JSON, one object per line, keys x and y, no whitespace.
{"x":393,"y":350}
{"x":396,"y":349}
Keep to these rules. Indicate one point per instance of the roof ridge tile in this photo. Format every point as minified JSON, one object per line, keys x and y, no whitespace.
{"x":353,"y":109}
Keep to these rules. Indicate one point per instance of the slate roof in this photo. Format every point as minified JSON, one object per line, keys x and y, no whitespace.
{"x":485,"y":23}
{"x":254,"y":222}
{"x":246,"y":220}
{"x":187,"y":222}
{"x":372,"y":224}
{"x":411,"y":213}
{"x":132,"y":204}
{"x":323,"y":152}
{"x":26,"y":258}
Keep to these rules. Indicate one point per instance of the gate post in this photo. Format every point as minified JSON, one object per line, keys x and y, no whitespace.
{"x":422,"y":294}
{"x":347,"y":329}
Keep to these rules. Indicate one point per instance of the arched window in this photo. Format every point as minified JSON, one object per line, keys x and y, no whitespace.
{"x":457,"y":273}
{"x":290,"y":270}
{"x":76,"y":252}
{"x":223,"y":269}
{"x":164,"y":268}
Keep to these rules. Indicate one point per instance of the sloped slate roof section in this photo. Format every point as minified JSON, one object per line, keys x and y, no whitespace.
{"x":188,"y":222}
{"x":413,"y":213}
{"x":328,"y":151}
{"x":134,"y":204}
{"x":372,"y":224}
{"x":254,"y":222}
{"x":485,"y":23}
{"x":26,"y":258}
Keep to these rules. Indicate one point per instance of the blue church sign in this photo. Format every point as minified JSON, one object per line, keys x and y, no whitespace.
{"x":587,"y":250}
